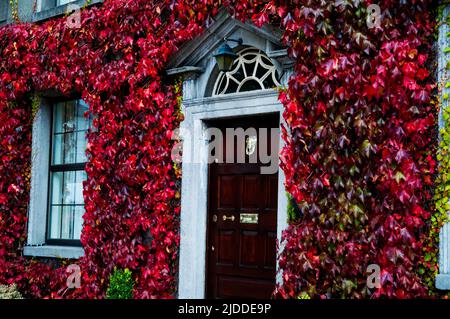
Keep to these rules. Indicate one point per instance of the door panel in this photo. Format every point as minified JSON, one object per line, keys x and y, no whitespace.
{"x":250,"y":187}
{"x":241,"y":287}
{"x":227,"y":192}
{"x":248,"y":250}
{"x":270,"y":250}
{"x":225,"y":247}
{"x":242,"y":223}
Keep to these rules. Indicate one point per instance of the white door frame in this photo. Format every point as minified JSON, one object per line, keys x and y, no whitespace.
{"x":194,"y":190}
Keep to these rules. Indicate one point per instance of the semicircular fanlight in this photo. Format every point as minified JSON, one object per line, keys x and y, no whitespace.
{"x":252,"y":70}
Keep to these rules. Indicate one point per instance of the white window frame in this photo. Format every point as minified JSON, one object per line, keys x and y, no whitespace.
{"x":37,"y":212}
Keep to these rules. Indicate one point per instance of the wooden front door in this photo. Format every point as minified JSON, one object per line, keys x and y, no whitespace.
{"x":242,"y":222}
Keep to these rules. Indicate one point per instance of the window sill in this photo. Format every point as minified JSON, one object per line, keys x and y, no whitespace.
{"x":54,"y":251}
{"x":443,"y":282}
{"x":60,"y":10}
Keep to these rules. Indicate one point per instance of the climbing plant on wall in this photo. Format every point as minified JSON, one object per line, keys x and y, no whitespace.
{"x":442,"y":196}
{"x":359,"y":156}
{"x":359,"y":139}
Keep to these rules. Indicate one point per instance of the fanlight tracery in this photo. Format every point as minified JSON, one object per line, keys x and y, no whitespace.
{"x":252,"y":70}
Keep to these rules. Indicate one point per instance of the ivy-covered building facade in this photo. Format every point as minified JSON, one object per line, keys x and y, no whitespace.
{"x":224,"y":149}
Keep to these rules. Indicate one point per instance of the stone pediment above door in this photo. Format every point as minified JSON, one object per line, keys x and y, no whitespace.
{"x":195,"y":62}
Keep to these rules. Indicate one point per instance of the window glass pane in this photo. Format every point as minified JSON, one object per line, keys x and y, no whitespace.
{"x":69,"y":188}
{"x":78,"y":222}
{"x":69,"y":148}
{"x":64,"y":117}
{"x":81,"y":147}
{"x":64,"y":148}
{"x":67,"y":222}
{"x":80,"y":178}
{"x":58,"y":117}
{"x":55,"y":222}
{"x":82,"y":121}
{"x":250,"y":85}
{"x":57,"y":149}
{"x":56,"y":184}
{"x":70,"y":118}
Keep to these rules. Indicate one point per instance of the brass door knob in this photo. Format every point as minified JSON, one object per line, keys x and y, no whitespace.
{"x":225,"y":218}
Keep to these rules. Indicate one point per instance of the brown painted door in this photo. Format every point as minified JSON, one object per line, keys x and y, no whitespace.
{"x":241,"y":254}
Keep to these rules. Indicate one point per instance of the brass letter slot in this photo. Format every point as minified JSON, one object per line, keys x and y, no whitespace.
{"x":249,"y":218}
